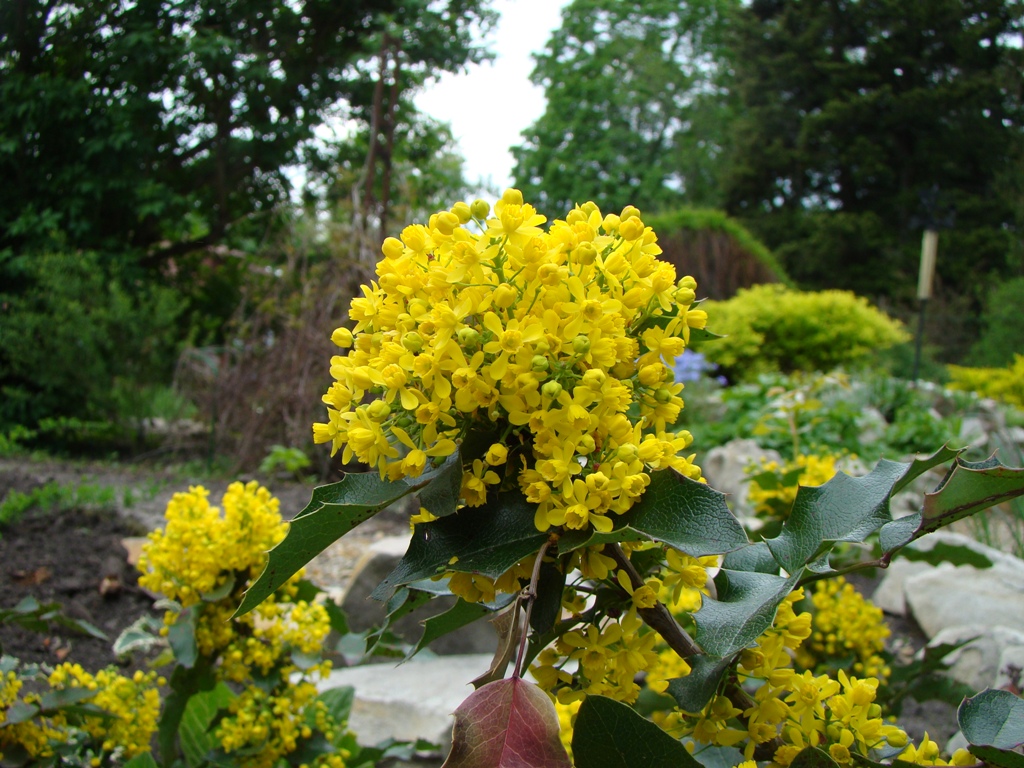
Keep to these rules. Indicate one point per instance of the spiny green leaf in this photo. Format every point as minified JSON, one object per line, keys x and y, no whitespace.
{"x":194,"y":731}
{"x":609,"y":734}
{"x":992,"y":719}
{"x":489,"y":540}
{"x":507,"y":724}
{"x":812,"y":757}
{"x":1003,"y":758}
{"x":693,"y":692}
{"x":675,"y":510}
{"x":745,"y":608}
{"x":456,"y":617}
{"x":333,"y":511}
{"x":969,"y":488}
{"x":753,"y":557}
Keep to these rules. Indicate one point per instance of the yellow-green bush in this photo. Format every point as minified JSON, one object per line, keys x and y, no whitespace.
{"x":1006,"y":384}
{"x":771,"y":328}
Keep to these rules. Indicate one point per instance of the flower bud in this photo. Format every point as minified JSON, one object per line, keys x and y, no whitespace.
{"x":504,"y":296}
{"x":628,"y":452}
{"x":575,"y":216}
{"x":412,"y":341}
{"x":539,"y":364}
{"x":551,"y":389}
{"x":585,"y":445}
{"x":480,"y":209}
{"x":631,"y":229}
{"x":594,"y":379}
{"x":663,"y":395}
{"x":378,"y":410}
{"x":342,"y":337}
{"x":512,"y":197}
{"x":610,"y":223}
{"x":462,"y":210}
{"x":392,"y":248}
{"x":446,"y":222}
{"x":629,"y":212}
{"x":469,"y":337}
{"x":586,"y":253}
{"x":581,"y":345}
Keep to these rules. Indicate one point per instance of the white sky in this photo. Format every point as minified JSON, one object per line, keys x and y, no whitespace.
{"x":490,"y":105}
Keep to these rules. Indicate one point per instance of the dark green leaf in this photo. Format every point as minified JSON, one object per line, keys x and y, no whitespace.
{"x":19,"y":712}
{"x":969,"y":488}
{"x":992,"y":719}
{"x":754,"y":557}
{"x":194,"y":731}
{"x":609,"y":734}
{"x":489,"y":540}
{"x":142,"y":760}
{"x":333,"y":511}
{"x":693,"y":692}
{"x":339,"y":702}
{"x":675,"y":510}
{"x":547,"y":605}
{"x":220,"y":592}
{"x":812,"y":757}
{"x":184,"y":683}
{"x":456,"y":617}
{"x":1003,"y":758}
{"x":745,"y":608}
{"x":843,"y":509}
{"x":52,"y":700}
{"x":182,"y":636}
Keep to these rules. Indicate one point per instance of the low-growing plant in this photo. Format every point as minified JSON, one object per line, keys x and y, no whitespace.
{"x":54,"y":496}
{"x":1003,"y":384}
{"x":517,"y":380}
{"x":771,"y":328}
{"x":291,"y":461}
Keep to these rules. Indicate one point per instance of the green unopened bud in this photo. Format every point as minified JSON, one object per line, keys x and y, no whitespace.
{"x":480,"y":208}
{"x":662,"y":395}
{"x":378,"y":410}
{"x":539,"y":364}
{"x":462,"y":210}
{"x":627,"y":453}
{"x":469,"y":337}
{"x":629,"y":212}
{"x":581,"y":345}
{"x":551,"y":389}
{"x":586,"y":253}
{"x":575,"y":216}
{"x":512,"y":196}
{"x":412,"y":341}
{"x":585,"y":445}
{"x":404,"y":421}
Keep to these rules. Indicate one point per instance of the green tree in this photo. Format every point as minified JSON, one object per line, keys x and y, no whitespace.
{"x":861,"y":120}
{"x":636,"y":107}
{"x":160,"y":125}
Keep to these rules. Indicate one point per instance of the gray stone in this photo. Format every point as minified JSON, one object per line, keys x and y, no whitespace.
{"x":363,"y":612}
{"x":1010,"y":671}
{"x":979,"y":662}
{"x":725,"y":470}
{"x":872,"y":425}
{"x":947,"y":597}
{"x":411,"y":701}
{"x":889,"y":595}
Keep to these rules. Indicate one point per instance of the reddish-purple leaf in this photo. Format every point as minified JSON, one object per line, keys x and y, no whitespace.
{"x":507,"y":724}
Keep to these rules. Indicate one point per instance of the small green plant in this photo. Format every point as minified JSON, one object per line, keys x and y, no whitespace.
{"x":291,"y":461}
{"x":54,"y":496}
{"x":771,"y":328}
{"x":1003,"y":384}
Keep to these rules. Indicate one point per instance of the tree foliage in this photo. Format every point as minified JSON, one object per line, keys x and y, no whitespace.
{"x":167,"y":123}
{"x":864,"y":121}
{"x":635,"y":108}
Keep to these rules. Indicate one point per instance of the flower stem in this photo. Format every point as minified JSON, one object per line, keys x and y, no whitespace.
{"x":530,"y":596}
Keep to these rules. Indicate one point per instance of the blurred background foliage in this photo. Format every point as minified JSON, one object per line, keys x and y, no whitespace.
{"x":194,"y":189}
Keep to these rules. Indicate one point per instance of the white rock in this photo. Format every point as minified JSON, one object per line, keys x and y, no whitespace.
{"x":889,"y":595}
{"x":411,"y":701}
{"x":1010,"y":671}
{"x":979,"y":663}
{"x":949,"y":597}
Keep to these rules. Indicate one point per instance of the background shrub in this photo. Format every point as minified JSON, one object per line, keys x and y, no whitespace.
{"x":771,"y":328}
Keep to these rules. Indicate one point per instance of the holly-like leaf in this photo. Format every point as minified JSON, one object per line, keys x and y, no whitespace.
{"x":507,"y":724}
{"x":194,"y":731}
{"x":843,"y":509}
{"x":745,"y":607}
{"x":456,"y":617}
{"x":488,"y":540}
{"x":968,"y":488}
{"x":609,"y":734}
{"x":675,"y":510}
{"x":335,"y":510}
{"x":181,"y":636}
{"x":753,"y":557}
{"x":693,"y":692}
{"x":992,"y":719}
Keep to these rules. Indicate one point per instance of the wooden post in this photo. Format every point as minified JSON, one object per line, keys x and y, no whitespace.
{"x":925,"y":278}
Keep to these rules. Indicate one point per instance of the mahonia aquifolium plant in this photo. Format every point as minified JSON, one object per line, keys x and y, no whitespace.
{"x":202,"y":551}
{"x":118,"y":726}
{"x":520,"y":379}
{"x":543,"y":340}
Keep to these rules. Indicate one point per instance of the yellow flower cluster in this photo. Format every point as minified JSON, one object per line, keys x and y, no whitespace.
{"x":131,"y":707}
{"x":558,"y":344}
{"x":773,"y":490}
{"x":199,"y":551}
{"x":847,"y":627}
{"x":839,"y":715}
